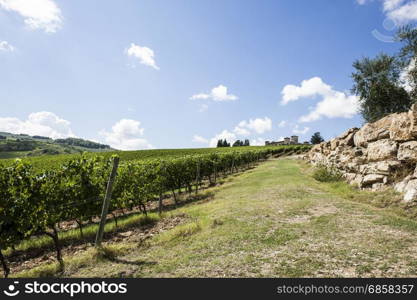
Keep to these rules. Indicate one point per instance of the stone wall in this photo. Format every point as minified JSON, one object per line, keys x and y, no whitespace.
{"x":379,"y":154}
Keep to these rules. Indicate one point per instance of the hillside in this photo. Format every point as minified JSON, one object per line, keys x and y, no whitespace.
{"x":23,"y":145}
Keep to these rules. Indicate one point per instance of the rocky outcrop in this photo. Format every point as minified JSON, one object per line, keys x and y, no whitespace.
{"x":379,"y":154}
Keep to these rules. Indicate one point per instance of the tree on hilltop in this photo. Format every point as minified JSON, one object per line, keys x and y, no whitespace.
{"x":316,"y":138}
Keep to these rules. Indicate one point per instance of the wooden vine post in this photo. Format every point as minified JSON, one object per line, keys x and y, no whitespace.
{"x":160,"y":200}
{"x":106,"y":202}
{"x":197,"y":179}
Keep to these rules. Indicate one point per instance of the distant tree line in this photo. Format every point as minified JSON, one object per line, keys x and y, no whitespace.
{"x":238,"y":143}
{"x":41,"y":137}
{"x":222,"y":143}
{"x":81,"y":143}
{"x":18,"y":145}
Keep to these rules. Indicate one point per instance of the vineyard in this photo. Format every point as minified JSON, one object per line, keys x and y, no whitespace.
{"x":42,"y":163}
{"x":37,"y":196}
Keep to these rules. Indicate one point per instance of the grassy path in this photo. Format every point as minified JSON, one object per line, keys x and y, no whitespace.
{"x":272,"y":221}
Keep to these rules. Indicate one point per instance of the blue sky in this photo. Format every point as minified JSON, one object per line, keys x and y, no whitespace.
{"x":181,"y":73}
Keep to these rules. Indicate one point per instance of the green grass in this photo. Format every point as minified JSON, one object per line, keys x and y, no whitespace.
{"x":272,"y":221}
{"x":13,"y":154}
{"x":326,"y":174}
{"x":89,"y":232}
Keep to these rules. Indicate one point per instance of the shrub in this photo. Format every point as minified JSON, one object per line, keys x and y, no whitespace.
{"x":327,"y":174}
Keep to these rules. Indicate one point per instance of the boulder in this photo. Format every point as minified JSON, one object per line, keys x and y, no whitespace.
{"x":316,"y":148}
{"x":400,"y":186}
{"x":347,"y":133}
{"x":400,"y":129}
{"x":408,"y":151}
{"x":412,"y":114}
{"x":382,"y":149}
{"x":334,"y":143}
{"x":410,"y":191}
{"x":384,"y":167}
{"x":373,"y":178}
{"x":373,"y":131}
{"x":347,"y":138}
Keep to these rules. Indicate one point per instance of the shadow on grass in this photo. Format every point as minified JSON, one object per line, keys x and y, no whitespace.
{"x":126,"y":222}
{"x":201,"y":198}
{"x":134,"y":263}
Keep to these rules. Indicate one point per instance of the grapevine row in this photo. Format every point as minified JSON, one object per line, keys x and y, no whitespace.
{"x":33,"y":202}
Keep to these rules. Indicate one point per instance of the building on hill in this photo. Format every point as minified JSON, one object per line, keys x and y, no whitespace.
{"x":293,"y":140}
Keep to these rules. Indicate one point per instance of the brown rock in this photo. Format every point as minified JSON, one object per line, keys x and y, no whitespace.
{"x":372,"y":178}
{"x":382,"y":149}
{"x":334,"y":143}
{"x":373,"y":131}
{"x":408,"y":151}
{"x":381,"y":167}
{"x":347,"y":138}
{"x":316,"y":148}
{"x":411,"y":191}
{"x":412,"y":114}
{"x":400,"y":129}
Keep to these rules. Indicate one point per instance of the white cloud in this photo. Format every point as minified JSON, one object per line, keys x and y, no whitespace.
{"x":258,"y":125}
{"x":218,"y":93}
{"x":400,"y":11}
{"x":244,"y":128}
{"x":200,"y":139}
{"x":229,"y":136}
{"x":404,"y":13}
{"x":333,"y":104}
{"x":145,"y":55}
{"x":37,"y":14}
{"x":5,"y":46}
{"x":258,"y":142}
{"x":40,"y":123}
{"x":298,"y":130}
{"x":126,"y":134}
{"x":282,"y":124}
{"x":241,"y":131}
{"x":392,"y":4}
{"x":308,"y":88}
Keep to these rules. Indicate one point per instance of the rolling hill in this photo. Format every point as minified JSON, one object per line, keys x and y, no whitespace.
{"x":23,"y":145}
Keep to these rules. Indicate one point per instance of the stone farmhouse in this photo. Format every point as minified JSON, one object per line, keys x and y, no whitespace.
{"x":293,"y":140}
